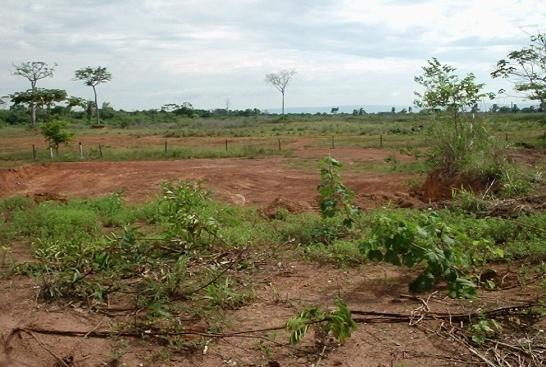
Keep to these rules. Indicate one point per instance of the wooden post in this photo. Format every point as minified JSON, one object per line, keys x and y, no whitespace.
{"x":81,"y":149}
{"x":380,"y":140}
{"x":506,"y":137}
{"x":226,"y":145}
{"x":51,"y":152}
{"x":279,"y":144}
{"x":333,"y":143}
{"x":165,"y":146}
{"x":100,"y":150}
{"x":33,"y":152}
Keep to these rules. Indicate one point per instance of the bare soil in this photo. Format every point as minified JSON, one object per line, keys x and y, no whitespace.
{"x":240,"y":181}
{"x":283,"y":286}
{"x":439,"y":185}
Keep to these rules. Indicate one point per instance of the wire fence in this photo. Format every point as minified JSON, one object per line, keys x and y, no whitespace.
{"x":174,"y":148}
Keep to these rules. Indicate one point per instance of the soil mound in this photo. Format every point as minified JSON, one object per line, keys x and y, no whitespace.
{"x":273,"y":209}
{"x":14,"y":179}
{"x":439,"y":185}
{"x":40,"y":197}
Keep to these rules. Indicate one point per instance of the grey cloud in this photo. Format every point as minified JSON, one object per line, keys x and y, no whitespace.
{"x":206,"y":51}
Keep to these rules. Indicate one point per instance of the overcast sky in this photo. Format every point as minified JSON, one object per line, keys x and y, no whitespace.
{"x":205,"y":52}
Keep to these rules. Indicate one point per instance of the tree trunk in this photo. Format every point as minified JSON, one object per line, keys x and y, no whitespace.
{"x":33,"y":105}
{"x":33,"y":114}
{"x":282,"y":102}
{"x":96,"y":105}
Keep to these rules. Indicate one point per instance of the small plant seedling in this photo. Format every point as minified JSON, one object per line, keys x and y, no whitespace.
{"x":335,"y":197}
{"x":483,"y":329}
{"x":54,"y":134}
{"x":339,"y":322}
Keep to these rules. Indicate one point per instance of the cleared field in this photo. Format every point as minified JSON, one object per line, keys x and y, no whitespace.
{"x":92,"y":278}
{"x":241,"y":181}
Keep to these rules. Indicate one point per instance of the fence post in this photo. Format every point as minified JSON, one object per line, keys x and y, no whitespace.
{"x":33,"y":152}
{"x":506,"y":137}
{"x":279,"y":144}
{"x":100,"y":150}
{"x":226,"y":145}
{"x":81,"y":149}
{"x":380,"y":140}
{"x":333,"y":143}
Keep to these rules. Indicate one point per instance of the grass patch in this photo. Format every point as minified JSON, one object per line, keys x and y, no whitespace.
{"x":148,"y":153}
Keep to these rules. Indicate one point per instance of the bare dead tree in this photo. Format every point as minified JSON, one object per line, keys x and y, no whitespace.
{"x":280,"y":81}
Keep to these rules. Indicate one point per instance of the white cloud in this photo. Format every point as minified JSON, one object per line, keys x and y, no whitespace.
{"x":345,"y":52}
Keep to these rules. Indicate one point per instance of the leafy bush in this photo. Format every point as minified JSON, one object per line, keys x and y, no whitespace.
{"x":75,"y":260}
{"x":334,"y":196}
{"x":458,"y":140}
{"x":54,"y":134}
{"x":339,"y":322}
{"x":184,"y":208}
{"x":308,"y":228}
{"x":401,"y":241}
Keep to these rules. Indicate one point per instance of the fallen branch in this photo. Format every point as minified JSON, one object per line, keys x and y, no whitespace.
{"x":220,"y":274}
{"x":138,"y":333}
{"x":495,"y":353}
{"x":366,"y":317}
{"x":369,"y":317}
{"x":373,"y":316}
{"x":60,"y":361}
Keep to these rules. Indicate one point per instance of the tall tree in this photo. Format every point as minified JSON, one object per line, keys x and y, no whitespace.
{"x":446,"y":91}
{"x":455,"y":137}
{"x":93,"y":77}
{"x":527,"y":68}
{"x":72,"y":102}
{"x":34,"y":71}
{"x":280,"y":81}
{"x":39,"y":98}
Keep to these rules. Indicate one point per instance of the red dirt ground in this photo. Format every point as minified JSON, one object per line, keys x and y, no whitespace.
{"x":283,"y":286}
{"x":241,"y":181}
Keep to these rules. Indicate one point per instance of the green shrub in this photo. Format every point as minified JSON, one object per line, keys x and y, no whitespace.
{"x":52,"y":221}
{"x":308,"y":228}
{"x":335,"y":197}
{"x":426,"y":241}
{"x":54,"y":133}
{"x":339,"y":253}
{"x":15,"y":203}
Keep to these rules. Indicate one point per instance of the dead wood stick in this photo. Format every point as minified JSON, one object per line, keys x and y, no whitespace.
{"x":394,"y":317}
{"x":219,"y":275}
{"x":45,"y":347}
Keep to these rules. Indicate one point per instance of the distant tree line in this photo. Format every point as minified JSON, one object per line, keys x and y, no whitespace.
{"x":525,"y":67}
{"x":45,"y":103}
